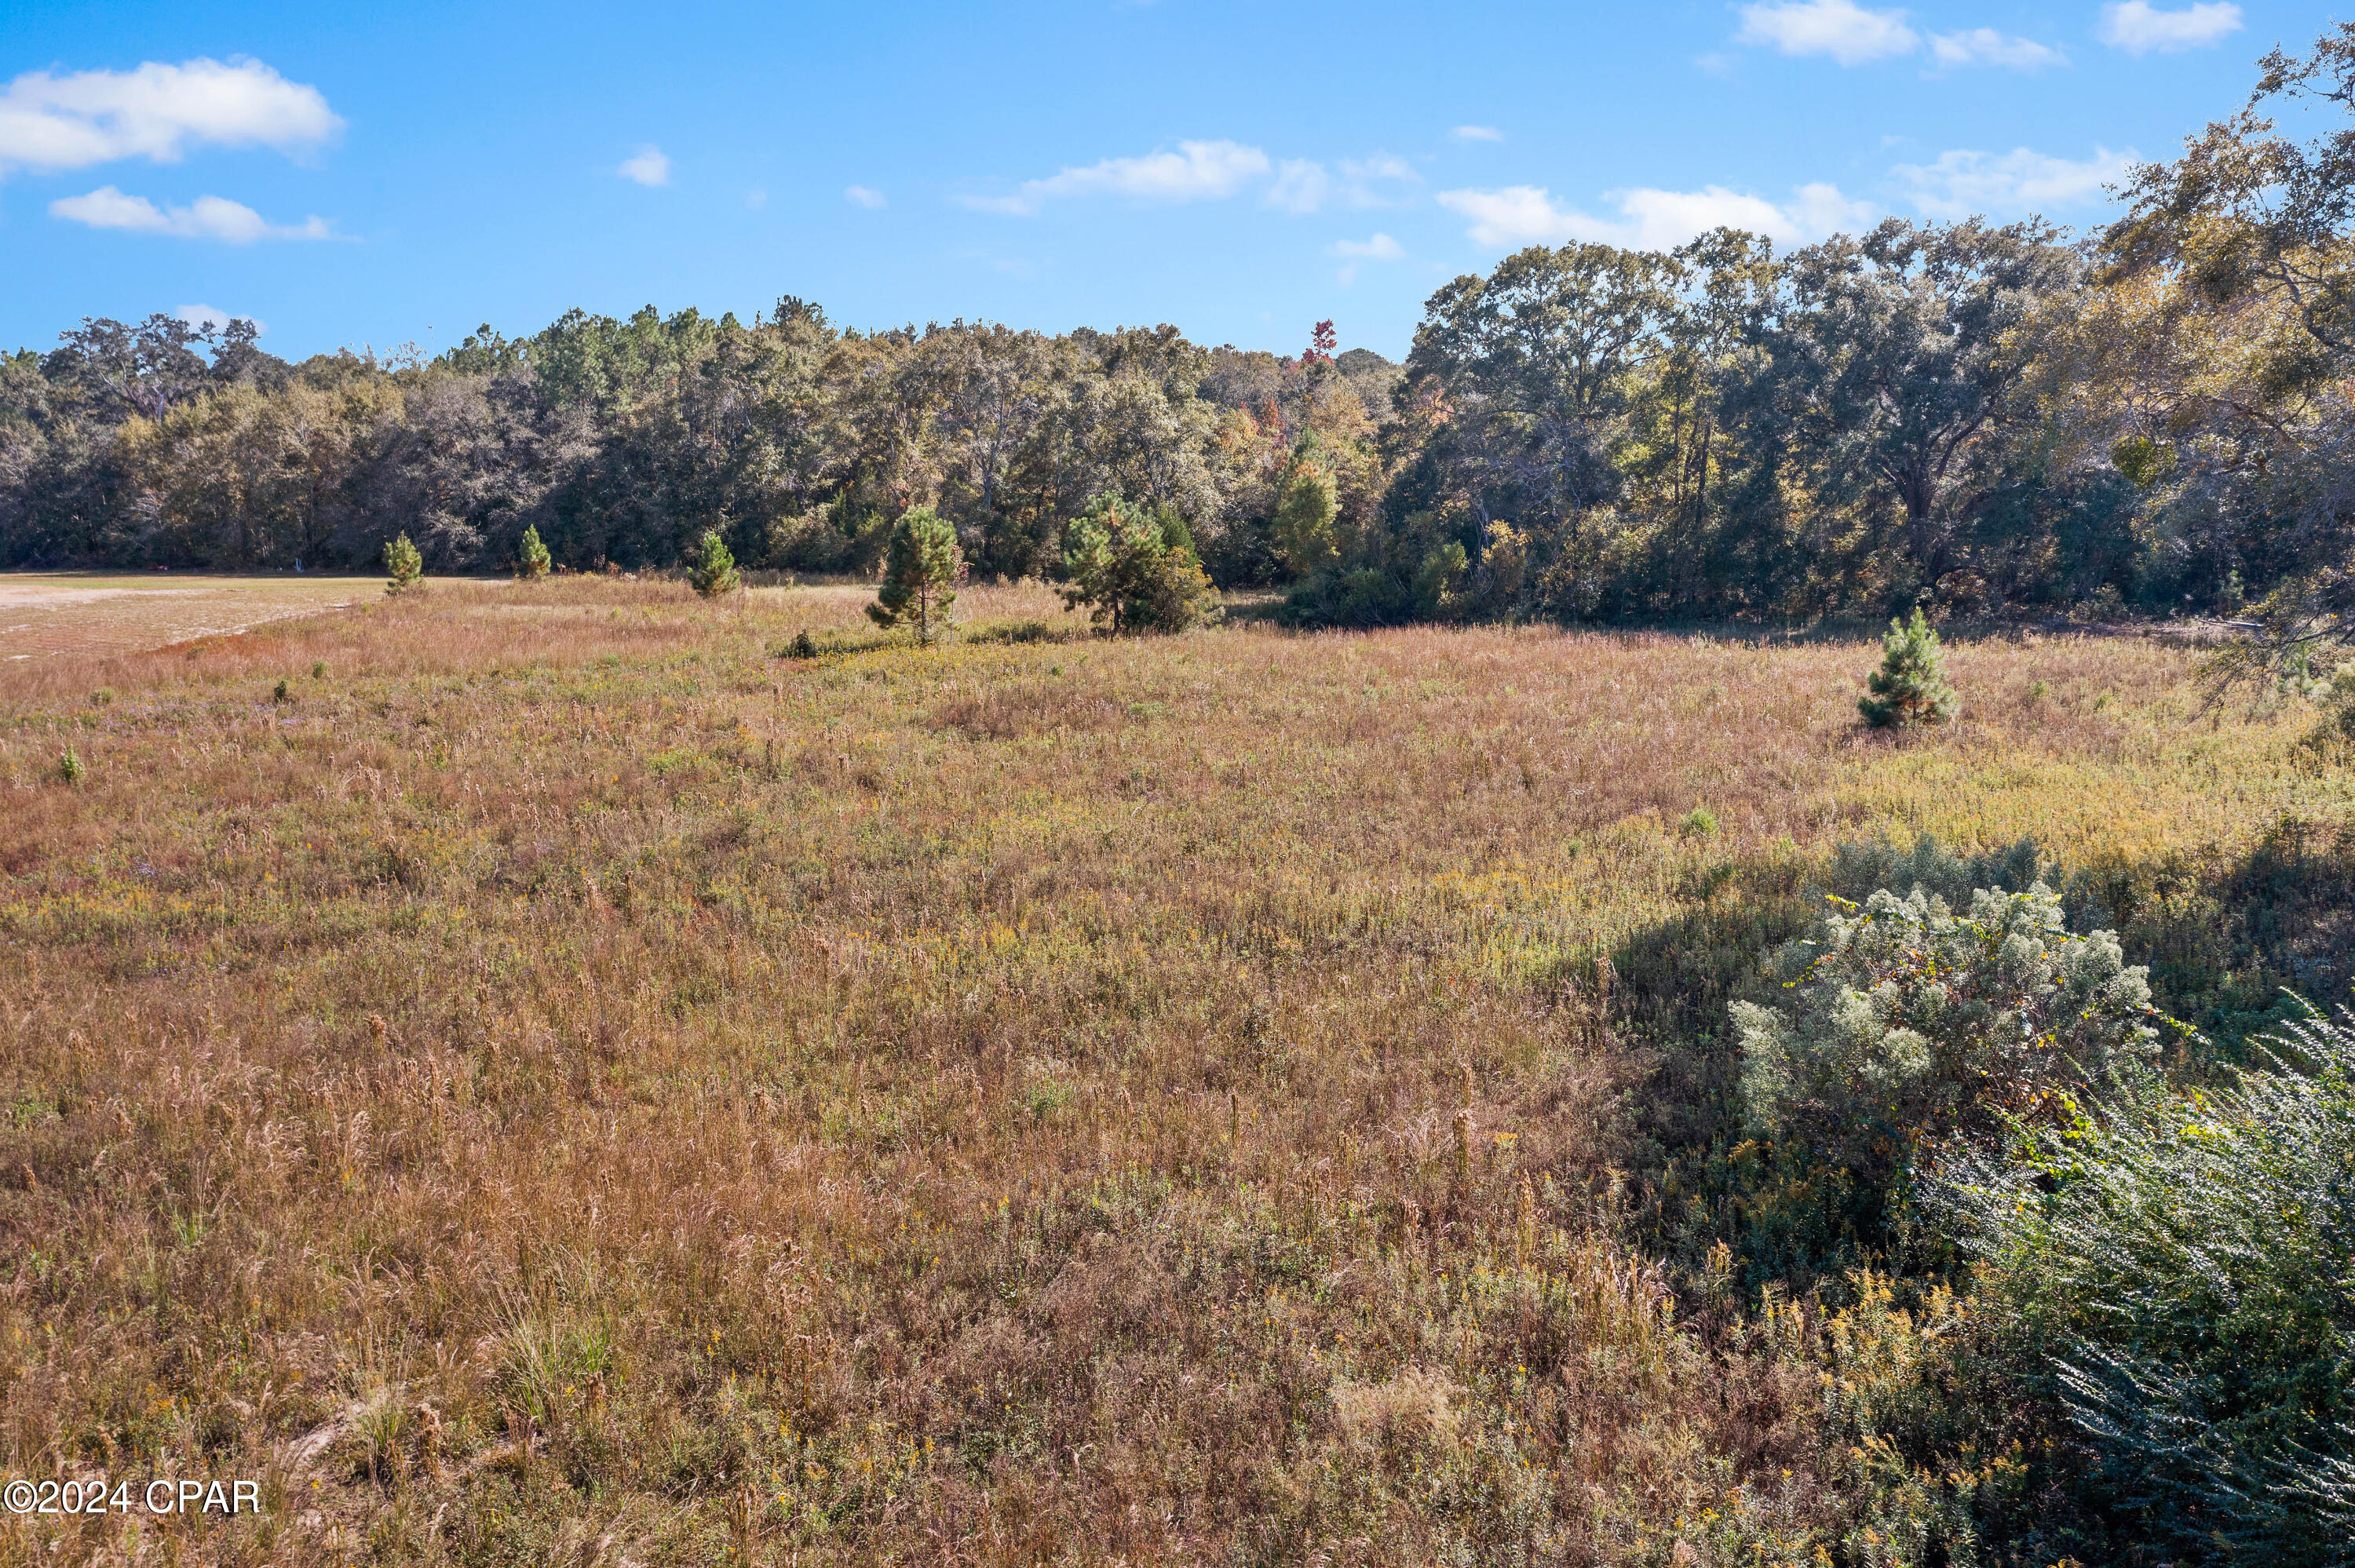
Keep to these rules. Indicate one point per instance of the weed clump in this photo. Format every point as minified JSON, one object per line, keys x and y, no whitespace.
{"x":70,"y":772}
{"x":1910,"y":688}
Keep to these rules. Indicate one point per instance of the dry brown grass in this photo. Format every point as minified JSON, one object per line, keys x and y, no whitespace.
{"x":566,"y":1085}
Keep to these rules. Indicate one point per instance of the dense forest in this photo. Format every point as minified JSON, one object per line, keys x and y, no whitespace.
{"x":1974,"y":416}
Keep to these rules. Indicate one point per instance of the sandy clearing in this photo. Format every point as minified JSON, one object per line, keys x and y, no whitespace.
{"x":68,"y":615}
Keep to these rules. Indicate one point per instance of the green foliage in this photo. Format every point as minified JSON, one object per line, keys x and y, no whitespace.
{"x":70,"y":770}
{"x":921,"y":567}
{"x":1386,"y":592}
{"x":713,"y":569}
{"x":2178,"y":1265}
{"x":2142,"y":460}
{"x":2338,"y":703}
{"x":1920,"y":1465}
{"x":1907,"y":1021}
{"x":1438,"y":581}
{"x":531,"y":556}
{"x":1305,"y":509}
{"x":1910,"y":688}
{"x":1124,"y":563}
{"x":802,"y":646}
{"x":403,"y":565}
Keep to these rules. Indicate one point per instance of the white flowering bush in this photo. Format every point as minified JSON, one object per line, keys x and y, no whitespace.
{"x":1907,"y":1021}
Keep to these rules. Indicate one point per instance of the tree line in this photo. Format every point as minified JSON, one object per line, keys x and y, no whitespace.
{"x":1972,"y":416}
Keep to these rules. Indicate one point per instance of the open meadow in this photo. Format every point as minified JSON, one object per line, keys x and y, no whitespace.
{"x":531,"y":1074}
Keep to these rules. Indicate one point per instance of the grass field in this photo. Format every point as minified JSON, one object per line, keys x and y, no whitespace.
{"x":531,"y":1076}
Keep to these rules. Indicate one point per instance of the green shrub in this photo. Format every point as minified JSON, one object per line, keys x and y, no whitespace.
{"x":403,"y":565}
{"x":713,"y":570}
{"x":70,"y":770}
{"x":1910,"y":688}
{"x":2180,"y":1266}
{"x":1015,"y":633}
{"x":531,"y":556}
{"x":1908,"y":1023}
{"x":1861,"y":867}
{"x":922,"y":567}
{"x":802,"y":646}
{"x":1135,"y":569}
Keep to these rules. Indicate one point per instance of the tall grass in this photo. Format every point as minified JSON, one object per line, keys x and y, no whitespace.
{"x":570,"y":1084}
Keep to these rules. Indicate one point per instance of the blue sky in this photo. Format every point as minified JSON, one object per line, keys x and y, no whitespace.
{"x":398,"y":173}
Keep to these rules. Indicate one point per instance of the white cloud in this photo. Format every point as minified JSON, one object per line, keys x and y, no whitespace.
{"x":1304,"y":185}
{"x":1985,"y":46}
{"x":2139,"y":28}
{"x":649,"y":167}
{"x":1841,"y":28}
{"x":1380,"y":167}
{"x":157,"y":112}
{"x":1380,"y":248}
{"x":868,"y":199}
{"x":1964,"y":183}
{"x":210,"y":318}
{"x":206,"y":217}
{"x":1651,"y":219}
{"x":1477,"y":133}
{"x":1196,"y":171}
{"x":1301,"y":185}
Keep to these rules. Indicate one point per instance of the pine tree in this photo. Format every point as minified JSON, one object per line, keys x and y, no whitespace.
{"x":1304,"y":534}
{"x":531,"y":556}
{"x":1135,"y":569}
{"x":713,"y":570}
{"x":921,"y":567}
{"x":1909,"y":687}
{"x":403,"y":565}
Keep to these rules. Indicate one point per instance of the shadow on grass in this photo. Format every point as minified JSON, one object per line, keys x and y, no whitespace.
{"x":2227,"y":941}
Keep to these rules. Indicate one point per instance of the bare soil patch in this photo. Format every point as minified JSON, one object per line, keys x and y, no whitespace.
{"x":75,"y":613}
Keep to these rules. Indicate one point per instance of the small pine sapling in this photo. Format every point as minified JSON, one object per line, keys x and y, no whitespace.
{"x":713,"y":571}
{"x":921,"y":570}
{"x":531,"y":556}
{"x":403,"y":565}
{"x":1910,"y":688}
